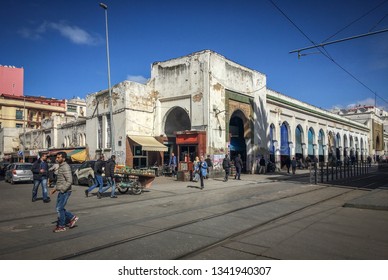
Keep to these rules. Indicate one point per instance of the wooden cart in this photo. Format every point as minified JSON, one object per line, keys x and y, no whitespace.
{"x":137,"y":182}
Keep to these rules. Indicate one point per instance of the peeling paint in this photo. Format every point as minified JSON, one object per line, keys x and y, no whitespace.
{"x":198,"y":97}
{"x":217,"y":87}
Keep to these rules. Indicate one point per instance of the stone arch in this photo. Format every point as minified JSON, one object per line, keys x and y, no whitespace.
{"x":338,"y":146}
{"x":331,"y":146}
{"x":272,"y":140}
{"x":239,"y":132}
{"x":285,"y":136}
{"x":321,"y":144}
{"x":345,"y":147}
{"x":177,"y":119}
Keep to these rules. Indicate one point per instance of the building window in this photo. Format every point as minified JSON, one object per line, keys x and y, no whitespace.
{"x":19,"y":125}
{"x":139,"y":157}
{"x":19,"y":114}
{"x":72,"y":108}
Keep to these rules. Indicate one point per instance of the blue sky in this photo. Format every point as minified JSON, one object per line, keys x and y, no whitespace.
{"x":61,"y":44}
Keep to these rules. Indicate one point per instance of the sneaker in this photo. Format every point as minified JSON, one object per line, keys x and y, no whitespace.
{"x":115,"y":196}
{"x":98,"y":195}
{"x":47,"y":200}
{"x":72,"y":222}
{"x":59,"y":229}
{"x":86,"y":193}
{"x":33,"y":200}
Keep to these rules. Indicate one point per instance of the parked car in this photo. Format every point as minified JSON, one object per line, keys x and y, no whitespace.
{"x":19,"y":172}
{"x":84,"y":174}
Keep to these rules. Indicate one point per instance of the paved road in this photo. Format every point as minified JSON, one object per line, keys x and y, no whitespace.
{"x":259,"y":217}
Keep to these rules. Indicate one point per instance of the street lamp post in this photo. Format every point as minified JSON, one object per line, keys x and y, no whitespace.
{"x":105,"y":7}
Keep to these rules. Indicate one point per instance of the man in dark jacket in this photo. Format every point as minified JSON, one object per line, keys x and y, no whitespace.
{"x":109,"y":175}
{"x":238,"y":163}
{"x":226,"y":167}
{"x":40,"y":172}
{"x":98,"y":170}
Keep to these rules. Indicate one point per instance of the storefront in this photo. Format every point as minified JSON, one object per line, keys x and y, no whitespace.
{"x":144,"y":151}
{"x":189,"y":145}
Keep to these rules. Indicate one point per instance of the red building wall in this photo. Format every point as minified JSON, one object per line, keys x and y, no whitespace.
{"x":11,"y":80}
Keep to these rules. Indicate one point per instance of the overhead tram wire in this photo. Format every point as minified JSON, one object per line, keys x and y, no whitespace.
{"x":354,"y":21}
{"x":321,"y":46}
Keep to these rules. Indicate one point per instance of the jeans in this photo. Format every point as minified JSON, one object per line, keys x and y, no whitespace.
{"x":42,"y":181}
{"x":227,"y":171}
{"x":238,"y":173}
{"x":97,"y":182}
{"x":111,"y":184}
{"x":64,"y":216}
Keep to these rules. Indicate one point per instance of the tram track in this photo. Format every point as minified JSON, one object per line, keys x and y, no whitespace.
{"x":107,"y":246}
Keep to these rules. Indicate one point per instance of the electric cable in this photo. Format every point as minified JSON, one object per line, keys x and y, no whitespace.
{"x":325,"y":51}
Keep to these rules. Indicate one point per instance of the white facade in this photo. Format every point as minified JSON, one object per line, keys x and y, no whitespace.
{"x":204,"y":91}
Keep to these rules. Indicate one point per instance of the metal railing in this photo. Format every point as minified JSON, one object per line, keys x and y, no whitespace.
{"x":326,"y":172}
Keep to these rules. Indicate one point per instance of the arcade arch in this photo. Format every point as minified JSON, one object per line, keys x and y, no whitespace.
{"x":239,"y":129}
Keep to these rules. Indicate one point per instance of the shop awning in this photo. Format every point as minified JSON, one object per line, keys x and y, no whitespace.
{"x":79,"y":155}
{"x":148,"y":143}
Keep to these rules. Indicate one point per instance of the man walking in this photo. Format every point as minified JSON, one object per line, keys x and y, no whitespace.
{"x":63,"y":187}
{"x":293,"y":165}
{"x":40,"y":175}
{"x":262,"y":165}
{"x":98,"y":182}
{"x":202,"y":166}
{"x":109,"y":174}
{"x":238,"y":163}
{"x":226,"y":167}
{"x":173,"y":164}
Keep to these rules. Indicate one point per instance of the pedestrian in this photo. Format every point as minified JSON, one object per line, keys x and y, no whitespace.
{"x":196,"y":170}
{"x":173,"y":164}
{"x":209,"y":165}
{"x":262,"y":165}
{"x":40,"y":175}
{"x":238,"y":163}
{"x":98,"y":182}
{"x":109,"y":175}
{"x":226,"y":167}
{"x":202,"y":166}
{"x":293,"y":165}
{"x":63,"y":187}
{"x":288,"y":164}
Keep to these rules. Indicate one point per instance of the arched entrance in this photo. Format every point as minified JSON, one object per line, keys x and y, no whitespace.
{"x":331,"y":147}
{"x":321,"y":143}
{"x":272,"y":134}
{"x":237,"y":129}
{"x":298,"y":143}
{"x":284,"y":143}
{"x":311,"y":140}
{"x":177,"y":119}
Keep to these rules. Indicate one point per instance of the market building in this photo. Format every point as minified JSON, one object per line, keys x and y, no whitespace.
{"x":204,"y":103}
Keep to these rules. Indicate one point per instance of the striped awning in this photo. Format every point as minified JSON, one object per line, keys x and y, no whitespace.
{"x":148,"y":143}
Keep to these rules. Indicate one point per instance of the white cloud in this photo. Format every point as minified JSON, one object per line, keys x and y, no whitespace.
{"x":137,"y":79}
{"x":73,"y":33}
